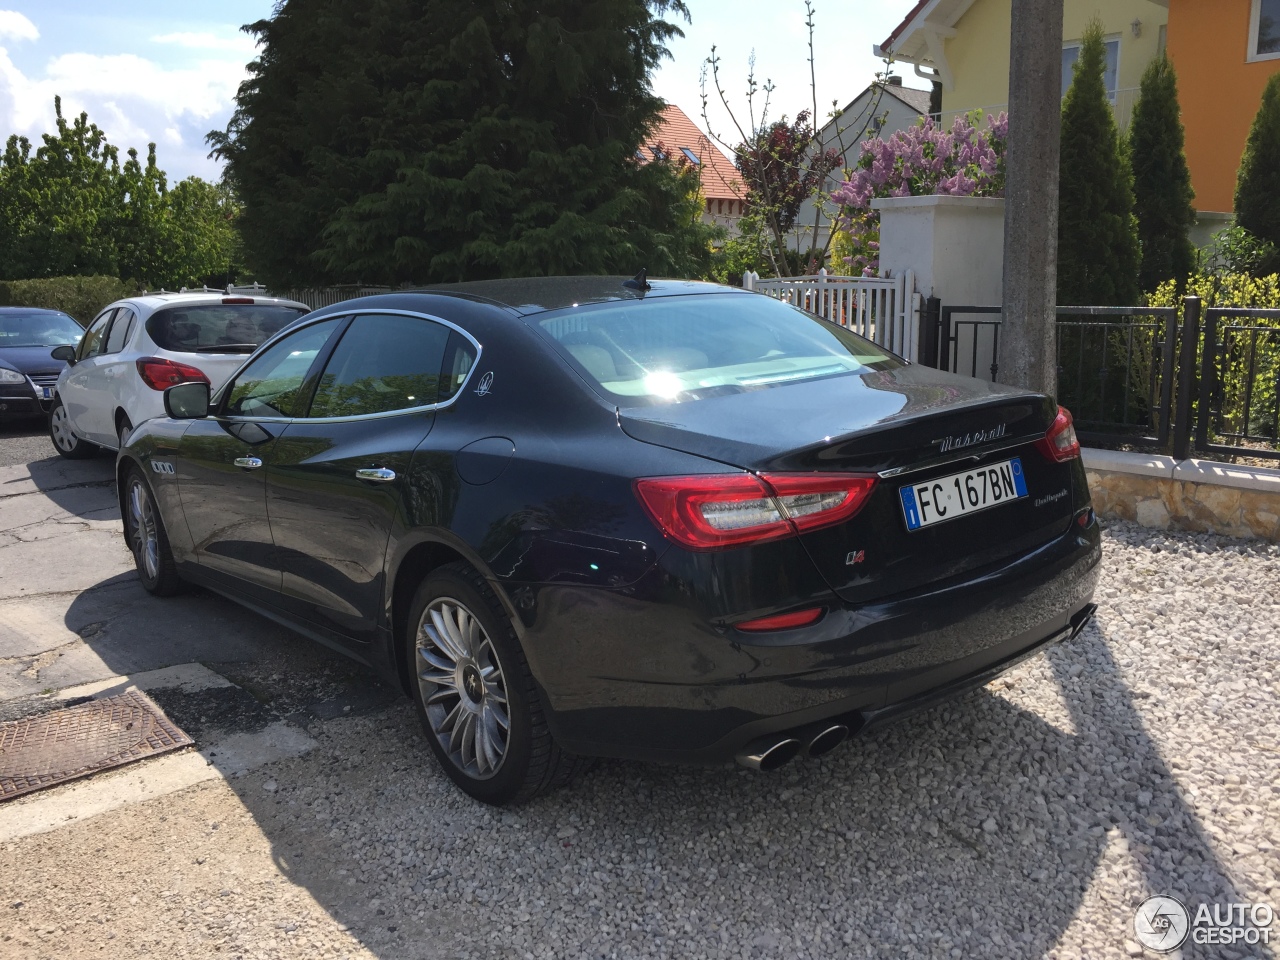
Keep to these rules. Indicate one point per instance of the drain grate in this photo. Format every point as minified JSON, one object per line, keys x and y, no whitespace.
{"x":61,"y":745}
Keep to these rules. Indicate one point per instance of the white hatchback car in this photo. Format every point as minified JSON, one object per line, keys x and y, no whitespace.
{"x":138,"y":347}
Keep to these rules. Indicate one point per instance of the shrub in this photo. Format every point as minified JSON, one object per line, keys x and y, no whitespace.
{"x":1097,"y":231}
{"x":1162,"y":191}
{"x":1237,"y":251}
{"x":82,"y":297}
{"x":1257,"y":198}
{"x":1248,"y":363}
{"x":920,"y":161}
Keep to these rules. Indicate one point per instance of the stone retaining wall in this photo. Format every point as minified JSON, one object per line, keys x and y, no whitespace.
{"x":1196,"y":495}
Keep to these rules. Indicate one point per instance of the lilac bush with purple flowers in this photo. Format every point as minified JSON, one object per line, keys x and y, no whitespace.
{"x":921,"y":161}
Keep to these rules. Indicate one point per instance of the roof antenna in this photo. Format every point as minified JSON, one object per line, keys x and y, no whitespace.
{"x":639,"y":282}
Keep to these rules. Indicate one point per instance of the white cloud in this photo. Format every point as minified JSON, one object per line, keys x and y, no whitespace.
{"x":14,"y":26}
{"x":134,"y":100}
{"x":240,"y":43}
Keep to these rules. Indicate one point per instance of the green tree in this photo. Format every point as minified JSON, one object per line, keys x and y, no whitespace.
{"x":1257,"y":199}
{"x":422,"y":140}
{"x":70,"y":209}
{"x":57,"y":203}
{"x":1162,"y":191}
{"x":1097,"y":232}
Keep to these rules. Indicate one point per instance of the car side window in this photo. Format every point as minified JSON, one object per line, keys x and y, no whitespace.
{"x":91,"y":342}
{"x":272,"y":385}
{"x":384,"y":362}
{"x":121,"y":327}
{"x":459,"y":358}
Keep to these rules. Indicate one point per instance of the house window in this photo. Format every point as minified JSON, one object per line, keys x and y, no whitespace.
{"x":1264,"y":30}
{"x":657,"y":153}
{"x":1071,"y":53}
{"x":690,"y":156}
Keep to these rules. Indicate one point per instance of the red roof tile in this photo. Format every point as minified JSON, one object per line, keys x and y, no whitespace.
{"x":906,"y":21}
{"x":720,"y":178}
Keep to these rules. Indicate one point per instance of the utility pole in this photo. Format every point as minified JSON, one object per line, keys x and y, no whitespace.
{"x":1028,"y":348}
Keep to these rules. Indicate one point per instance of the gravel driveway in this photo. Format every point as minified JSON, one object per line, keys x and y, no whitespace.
{"x":1026,"y":819}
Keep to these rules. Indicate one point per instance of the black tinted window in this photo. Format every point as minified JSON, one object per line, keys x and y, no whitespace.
{"x":218,"y":327}
{"x":384,"y":362}
{"x":459,"y":358}
{"x":121,"y":327}
{"x":686,"y":348}
{"x":272,"y":385}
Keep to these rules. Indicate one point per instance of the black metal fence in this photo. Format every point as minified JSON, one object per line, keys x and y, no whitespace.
{"x":1134,"y":375}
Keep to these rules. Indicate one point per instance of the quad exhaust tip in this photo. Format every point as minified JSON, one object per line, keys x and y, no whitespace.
{"x":826,"y":738}
{"x":769,"y":753}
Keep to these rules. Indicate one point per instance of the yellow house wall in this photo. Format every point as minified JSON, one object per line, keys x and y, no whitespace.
{"x":979,"y":53}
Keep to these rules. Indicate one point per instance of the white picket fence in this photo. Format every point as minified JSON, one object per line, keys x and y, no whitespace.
{"x":885,"y":310}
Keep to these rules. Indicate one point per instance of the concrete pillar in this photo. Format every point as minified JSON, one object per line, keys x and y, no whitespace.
{"x":1028,"y":352}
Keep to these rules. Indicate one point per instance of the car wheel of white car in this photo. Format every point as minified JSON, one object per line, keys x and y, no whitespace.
{"x":64,"y":439}
{"x":123,"y":429}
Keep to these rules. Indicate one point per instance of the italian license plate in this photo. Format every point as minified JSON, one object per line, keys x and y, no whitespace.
{"x":924,"y":504}
{"x":48,"y":392}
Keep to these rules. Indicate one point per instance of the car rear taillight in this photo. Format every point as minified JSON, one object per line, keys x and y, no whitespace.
{"x":160,"y":374}
{"x":237,"y":299}
{"x":716,"y":512}
{"x":783,"y":621}
{"x":1060,"y":443}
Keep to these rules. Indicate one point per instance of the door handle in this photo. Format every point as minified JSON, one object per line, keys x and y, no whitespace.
{"x":376,"y":474}
{"x":249,"y":463}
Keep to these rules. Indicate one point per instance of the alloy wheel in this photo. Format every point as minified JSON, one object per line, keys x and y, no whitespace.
{"x":143,"y":534}
{"x":463,"y":690}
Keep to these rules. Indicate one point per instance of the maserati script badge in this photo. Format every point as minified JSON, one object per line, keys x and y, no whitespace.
{"x":947,"y":444}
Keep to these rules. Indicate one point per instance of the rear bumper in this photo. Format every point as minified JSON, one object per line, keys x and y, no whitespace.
{"x":641,"y":679}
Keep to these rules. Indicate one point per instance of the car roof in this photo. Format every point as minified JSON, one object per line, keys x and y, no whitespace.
{"x":527,"y":295}
{"x":31,"y":310}
{"x":154,"y":301}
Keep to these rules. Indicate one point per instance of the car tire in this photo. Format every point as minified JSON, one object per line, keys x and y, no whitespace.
{"x":123,"y":429}
{"x":468,"y":671}
{"x":64,"y":439}
{"x":145,"y":535}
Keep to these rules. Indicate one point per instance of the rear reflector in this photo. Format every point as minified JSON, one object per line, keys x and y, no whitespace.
{"x":1060,"y":443}
{"x":783,"y":621}
{"x":717,"y":512}
{"x":160,"y":374}
{"x":237,"y":299}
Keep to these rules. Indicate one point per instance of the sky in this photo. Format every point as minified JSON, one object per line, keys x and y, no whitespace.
{"x":167,"y":72}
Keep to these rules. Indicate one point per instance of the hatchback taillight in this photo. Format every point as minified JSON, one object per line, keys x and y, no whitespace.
{"x":160,"y":374}
{"x":716,"y":512}
{"x":1060,"y":443}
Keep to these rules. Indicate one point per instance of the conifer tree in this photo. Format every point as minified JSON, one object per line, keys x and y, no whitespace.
{"x":1258,"y":182}
{"x":388,"y":141}
{"x":1162,"y":191}
{"x":1097,"y":231}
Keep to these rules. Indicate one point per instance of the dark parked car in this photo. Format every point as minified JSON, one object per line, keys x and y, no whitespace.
{"x":27,"y":372}
{"x":573,"y":517}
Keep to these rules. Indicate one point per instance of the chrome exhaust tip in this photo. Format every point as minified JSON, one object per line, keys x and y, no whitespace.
{"x":824,"y":738}
{"x":769,"y":753}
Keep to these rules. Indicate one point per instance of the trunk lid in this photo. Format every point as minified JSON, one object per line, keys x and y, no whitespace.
{"x":906,"y":425}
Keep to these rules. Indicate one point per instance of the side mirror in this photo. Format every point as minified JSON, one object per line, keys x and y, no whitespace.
{"x":187,"y":401}
{"x":64,"y":353}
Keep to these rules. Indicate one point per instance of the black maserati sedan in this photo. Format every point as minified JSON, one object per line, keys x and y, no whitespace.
{"x":579,"y":517}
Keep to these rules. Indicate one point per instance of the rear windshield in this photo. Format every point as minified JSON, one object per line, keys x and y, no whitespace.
{"x":38,"y":329}
{"x":218,"y":327}
{"x":687,"y":348}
